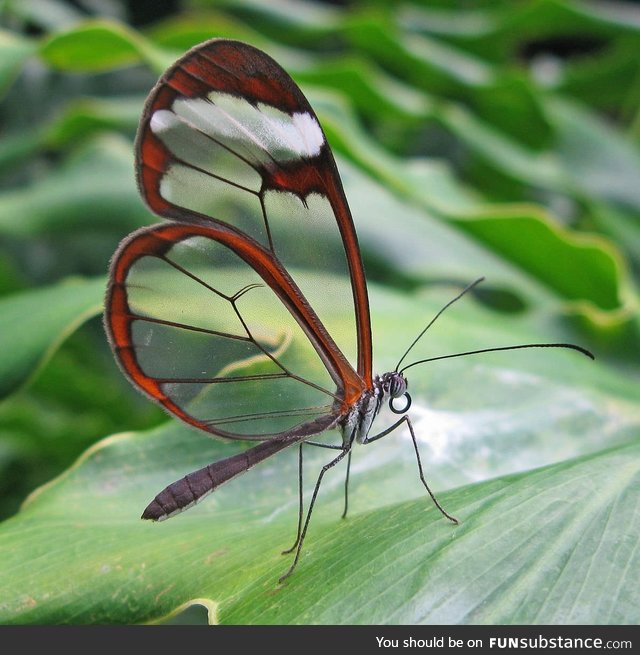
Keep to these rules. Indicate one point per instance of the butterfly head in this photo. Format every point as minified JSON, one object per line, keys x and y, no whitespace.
{"x":395,"y":385}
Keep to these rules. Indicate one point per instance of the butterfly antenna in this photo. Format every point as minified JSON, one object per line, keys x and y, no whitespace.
{"x":435,"y":318}
{"x":570,"y":346}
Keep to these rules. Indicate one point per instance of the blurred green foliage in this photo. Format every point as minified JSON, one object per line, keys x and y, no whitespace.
{"x":492,"y":138}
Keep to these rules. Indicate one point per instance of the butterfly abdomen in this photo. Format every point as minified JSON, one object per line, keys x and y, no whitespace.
{"x":192,"y":488}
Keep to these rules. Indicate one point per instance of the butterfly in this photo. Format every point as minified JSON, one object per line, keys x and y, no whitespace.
{"x":207,"y":313}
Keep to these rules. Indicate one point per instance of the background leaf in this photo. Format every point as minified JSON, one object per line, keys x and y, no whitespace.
{"x":33,"y":324}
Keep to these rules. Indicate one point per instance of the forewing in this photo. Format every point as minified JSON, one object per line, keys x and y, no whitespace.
{"x":228,"y":136}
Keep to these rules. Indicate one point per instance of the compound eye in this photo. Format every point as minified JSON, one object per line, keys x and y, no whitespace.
{"x":401,"y":410}
{"x":397,"y":386}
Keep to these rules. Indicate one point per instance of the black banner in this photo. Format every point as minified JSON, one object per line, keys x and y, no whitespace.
{"x":328,"y":640}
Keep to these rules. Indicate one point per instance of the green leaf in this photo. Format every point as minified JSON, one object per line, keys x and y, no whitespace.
{"x":14,"y":51}
{"x":603,"y":81}
{"x":95,"y":187}
{"x":34,"y":323}
{"x":75,"y":399}
{"x":426,"y":63}
{"x":581,"y":268}
{"x":81,"y":119}
{"x":101,"y":45}
{"x":78,"y":553}
{"x":620,"y":225}
{"x":289,"y":20}
{"x":585,"y":271}
{"x":601,"y":163}
{"x":45,"y":14}
{"x":88,"y":116}
{"x":369,"y":89}
{"x":187,"y":30}
{"x":532,"y":548}
{"x":501,"y":152}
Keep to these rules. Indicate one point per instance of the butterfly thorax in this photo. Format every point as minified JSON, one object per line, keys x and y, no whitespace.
{"x":358,"y":421}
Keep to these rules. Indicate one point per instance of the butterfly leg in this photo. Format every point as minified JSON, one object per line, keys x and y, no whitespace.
{"x":346,"y":488}
{"x":325,"y":468}
{"x":384,"y":433}
{"x":300,"y":492}
{"x":300,"y":503}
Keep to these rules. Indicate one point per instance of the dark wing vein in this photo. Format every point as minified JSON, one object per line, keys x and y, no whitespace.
{"x":226,"y":147}
{"x":304,"y":411}
{"x":239,"y":378}
{"x":191,"y":328}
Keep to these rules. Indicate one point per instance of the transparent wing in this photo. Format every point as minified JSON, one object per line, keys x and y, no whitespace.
{"x":227,"y":136}
{"x":209,"y":325}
